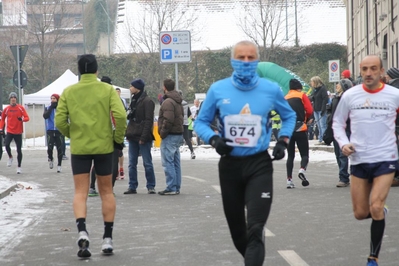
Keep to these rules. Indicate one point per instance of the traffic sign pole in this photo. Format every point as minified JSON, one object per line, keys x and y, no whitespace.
{"x":19,"y":52}
{"x":19,"y":75}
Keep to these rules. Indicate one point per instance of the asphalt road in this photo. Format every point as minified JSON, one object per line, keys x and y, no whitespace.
{"x":307,"y":226}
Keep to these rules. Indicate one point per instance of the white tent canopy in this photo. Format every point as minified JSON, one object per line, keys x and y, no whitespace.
{"x":58,"y":86}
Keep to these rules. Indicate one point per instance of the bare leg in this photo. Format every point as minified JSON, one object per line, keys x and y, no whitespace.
{"x":104,"y":184}
{"x":82,"y":182}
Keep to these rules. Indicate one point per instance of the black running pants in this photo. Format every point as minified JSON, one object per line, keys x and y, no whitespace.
{"x":247,"y":183}
{"x":18,"y":142}
{"x":301,"y":140}
{"x":54,"y":137}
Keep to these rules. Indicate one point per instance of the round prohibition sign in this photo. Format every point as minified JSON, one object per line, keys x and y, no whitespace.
{"x":334,"y":67}
{"x":166,"y":39}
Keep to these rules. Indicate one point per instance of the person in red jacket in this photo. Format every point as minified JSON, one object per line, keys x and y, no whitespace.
{"x":302,"y":106}
{"x":13,"y":116}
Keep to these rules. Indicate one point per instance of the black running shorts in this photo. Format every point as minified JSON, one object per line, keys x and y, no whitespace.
{"x":81,"y":164}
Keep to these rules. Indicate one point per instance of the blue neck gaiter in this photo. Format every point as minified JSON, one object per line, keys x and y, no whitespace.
{"x":244,"y":76}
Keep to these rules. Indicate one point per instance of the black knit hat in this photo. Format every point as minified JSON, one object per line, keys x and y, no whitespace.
{"x":345,"y":84}
{"x":295,"y":84}
{"x":106,"y":80}
{"x":393,"y":73}
{"x":87,"y":64}
{"x":138,"y":84}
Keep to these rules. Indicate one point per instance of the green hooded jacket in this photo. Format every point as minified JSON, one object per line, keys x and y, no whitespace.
{"x":84,"y":115}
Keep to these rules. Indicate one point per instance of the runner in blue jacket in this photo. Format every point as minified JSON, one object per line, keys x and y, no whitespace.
{"x":243,"y":103}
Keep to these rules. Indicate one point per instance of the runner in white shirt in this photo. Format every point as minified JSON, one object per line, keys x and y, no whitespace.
{"x":372,"y":109}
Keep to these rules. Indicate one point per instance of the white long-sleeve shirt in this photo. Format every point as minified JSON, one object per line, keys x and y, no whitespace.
{"x":372,"y":116}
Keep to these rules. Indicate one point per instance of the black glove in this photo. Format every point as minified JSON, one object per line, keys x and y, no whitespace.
{"x":279,"y":149}
{"x":20,"y":118}
{"x":54,"y":105}
{"x":119,"y":146}
{"x":220,"y":145}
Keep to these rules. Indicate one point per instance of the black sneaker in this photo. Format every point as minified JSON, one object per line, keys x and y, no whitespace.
{"x":167,"y":192}
{"x":130,"y":191}
{"x":301,"y":176}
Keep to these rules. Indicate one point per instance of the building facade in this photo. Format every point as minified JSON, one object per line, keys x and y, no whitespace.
{"x":40,"y":24}
{"x":372,"y":28}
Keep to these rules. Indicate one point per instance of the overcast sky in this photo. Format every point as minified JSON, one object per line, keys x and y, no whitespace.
{"x":318,"y":22}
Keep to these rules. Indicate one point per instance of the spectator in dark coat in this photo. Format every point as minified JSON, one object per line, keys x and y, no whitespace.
{"x":141,"y":121}
{"x":320,"y":100}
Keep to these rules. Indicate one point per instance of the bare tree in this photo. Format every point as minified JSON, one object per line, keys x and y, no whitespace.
{"x":265,"y":23}
{"x":53,"y":32}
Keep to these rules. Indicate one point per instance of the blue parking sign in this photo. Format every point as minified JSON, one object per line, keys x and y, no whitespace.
{"x":166,"y":54}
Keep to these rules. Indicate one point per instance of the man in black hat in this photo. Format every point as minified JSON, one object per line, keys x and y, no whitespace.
{"x":302,"y":106}
{"x":140,"y":137}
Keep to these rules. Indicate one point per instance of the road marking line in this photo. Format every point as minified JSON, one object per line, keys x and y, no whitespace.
{"x":194,"y":178}
{"x":292,"y":258}
{"x":217,"y":188}
{"x":268,"y":233}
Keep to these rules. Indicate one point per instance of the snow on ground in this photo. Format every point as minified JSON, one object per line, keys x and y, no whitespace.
{"x":18,"y":211}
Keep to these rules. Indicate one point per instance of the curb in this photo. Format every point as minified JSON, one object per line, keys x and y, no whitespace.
{"x":7,"y":192}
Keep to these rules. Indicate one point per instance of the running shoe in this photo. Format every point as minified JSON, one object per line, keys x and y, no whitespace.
{"x":290,"y":184}
{"x":371,"y":262}
{"x":9,"y":162}
{"x":19,"y":170}
{"x":93,"y":192}
{"x":107,"y":246}
{"x":301,"y":175}
{"x":83,"y":244}
{"x":192,"y":155}
{"x":121,"y":174}
{"x":59,"y":169}
{"x":50,"y":164}
{"x":151,"y":191}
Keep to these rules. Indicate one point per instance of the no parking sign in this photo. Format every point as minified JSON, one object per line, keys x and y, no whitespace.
{"x":333,"y":71}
